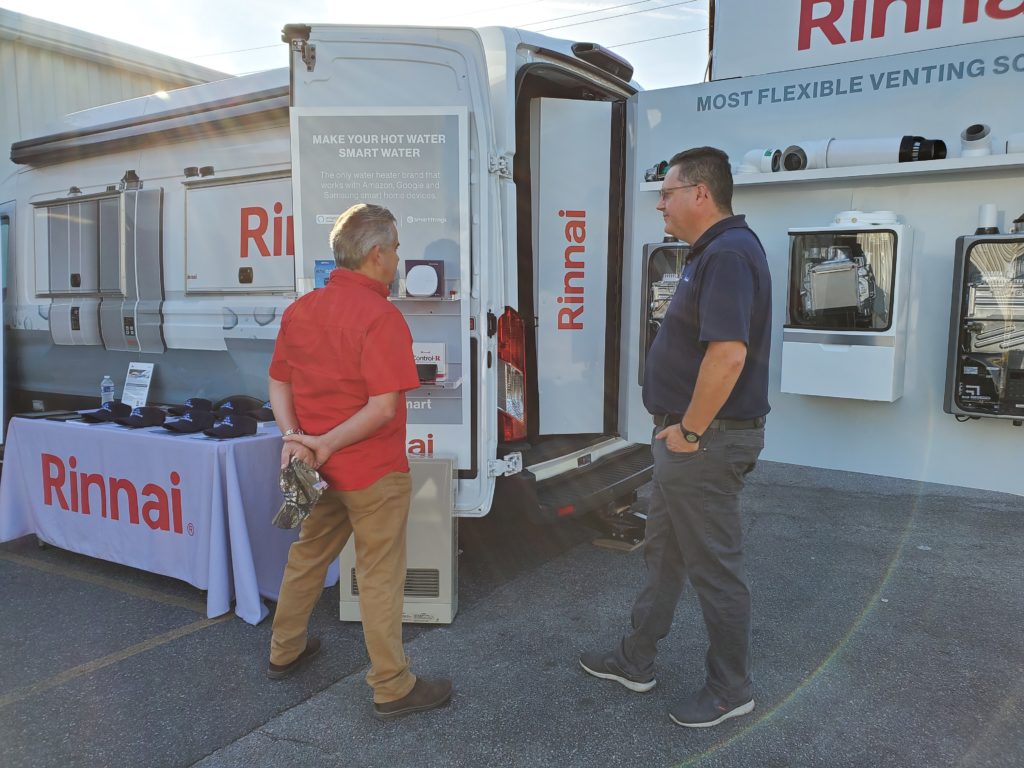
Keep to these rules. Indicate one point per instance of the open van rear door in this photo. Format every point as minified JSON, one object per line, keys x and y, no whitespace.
{"x":571,"y":152}
{"x":395,"y":116}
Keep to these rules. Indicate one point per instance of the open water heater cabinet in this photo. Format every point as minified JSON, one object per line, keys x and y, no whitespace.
{"x":848,"y":289}
{"x":985,"y":369}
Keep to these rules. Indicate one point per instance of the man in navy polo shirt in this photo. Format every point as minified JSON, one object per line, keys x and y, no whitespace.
{"x":706,"y":384}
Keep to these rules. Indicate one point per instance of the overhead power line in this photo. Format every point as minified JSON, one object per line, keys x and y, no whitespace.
{"x":586,"y":13}
{"x":617,"y":15}
{"x":663,"y":37}
{"x":528,"y":24}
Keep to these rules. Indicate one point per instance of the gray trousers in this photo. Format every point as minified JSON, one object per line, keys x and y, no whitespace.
{"x":694,"y":530}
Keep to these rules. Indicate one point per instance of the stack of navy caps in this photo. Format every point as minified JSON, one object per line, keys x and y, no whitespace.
{"x":232,"y":424}
{"x":109,"y":411}
{"x":192,"y":421}
{"x":192,"y":404}
{"x":143,"y":416}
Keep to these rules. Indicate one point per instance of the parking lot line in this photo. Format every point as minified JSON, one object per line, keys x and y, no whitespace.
{"x":105,"y":661}
{"x":75,"y":573}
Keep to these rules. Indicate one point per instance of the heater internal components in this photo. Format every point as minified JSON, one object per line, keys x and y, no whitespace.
{"x":985,"y":373}
{"x":842,"y":281}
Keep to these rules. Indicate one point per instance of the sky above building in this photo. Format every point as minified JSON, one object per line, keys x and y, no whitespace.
{"x":665,"y":40}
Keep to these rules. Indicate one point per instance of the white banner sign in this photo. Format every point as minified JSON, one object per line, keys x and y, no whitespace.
{"x":571,"y":146}
{"x":750,"y":39}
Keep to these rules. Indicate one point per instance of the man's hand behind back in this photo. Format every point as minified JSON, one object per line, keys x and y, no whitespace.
{"x":314,"y":448}
{"x":299,"y":451}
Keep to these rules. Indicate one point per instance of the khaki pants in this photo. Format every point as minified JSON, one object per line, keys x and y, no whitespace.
{"x":377,"y":516}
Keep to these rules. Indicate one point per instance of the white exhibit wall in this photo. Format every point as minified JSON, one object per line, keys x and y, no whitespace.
{"x":911,"y":437}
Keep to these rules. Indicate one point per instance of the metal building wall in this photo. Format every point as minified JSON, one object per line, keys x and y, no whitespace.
{"x":48,"y":71}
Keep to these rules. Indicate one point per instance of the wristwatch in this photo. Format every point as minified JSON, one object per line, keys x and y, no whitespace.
{"x":688,"y":436}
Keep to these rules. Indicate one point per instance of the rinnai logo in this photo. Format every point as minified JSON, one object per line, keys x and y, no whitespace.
{"x":569,"y":318}
{"x":255,"y":221}
{"x":75,"y":491}
{"x":417,"y":447}
{"x":846,"y":21}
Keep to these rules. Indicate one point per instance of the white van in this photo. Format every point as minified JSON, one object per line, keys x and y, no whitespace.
{"x":175,"y":228}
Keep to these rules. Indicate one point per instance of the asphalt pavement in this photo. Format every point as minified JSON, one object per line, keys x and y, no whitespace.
{"x":888,"y":620}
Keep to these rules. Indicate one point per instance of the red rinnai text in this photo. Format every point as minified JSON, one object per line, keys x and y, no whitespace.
{"x":112,"y":497}
{"x":421,"y":447}
{"x":570,"y":317}
{"x":255,"y":221}
{"x":830,"y":17}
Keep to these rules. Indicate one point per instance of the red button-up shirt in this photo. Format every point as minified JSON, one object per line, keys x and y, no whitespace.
{"x":337,"y":347}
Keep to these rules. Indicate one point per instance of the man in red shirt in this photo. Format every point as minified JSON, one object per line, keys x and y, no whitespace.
{"x":341,"y":366}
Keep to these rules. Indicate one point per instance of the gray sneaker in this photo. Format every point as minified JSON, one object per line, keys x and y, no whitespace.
{"x":605,"y":666}
{"x":704,"y":709}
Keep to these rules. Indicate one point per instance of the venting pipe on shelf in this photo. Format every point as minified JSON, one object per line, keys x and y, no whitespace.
{"x":806,"y":155}
{"x":976,"y":140}
{"x":906,"y":149}
{"x":1015,"y":143}
{"x":842,"y":153}
{"x":761,"y":161}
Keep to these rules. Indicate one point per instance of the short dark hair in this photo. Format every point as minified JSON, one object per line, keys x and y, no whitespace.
{"x":708,"y":166}
{"x":358,"y":230}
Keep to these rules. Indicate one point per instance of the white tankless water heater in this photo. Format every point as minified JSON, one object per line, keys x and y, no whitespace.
{"x":432,"y":566}
{"x":846,"y":315}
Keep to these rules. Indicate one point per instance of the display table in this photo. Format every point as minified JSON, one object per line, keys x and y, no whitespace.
{"x":187,"y":506}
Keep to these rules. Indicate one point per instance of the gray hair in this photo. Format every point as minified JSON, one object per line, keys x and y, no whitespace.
{"x":358,"y":230}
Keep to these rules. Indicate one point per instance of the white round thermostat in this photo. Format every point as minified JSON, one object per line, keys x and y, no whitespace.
{"x":421,"y":280}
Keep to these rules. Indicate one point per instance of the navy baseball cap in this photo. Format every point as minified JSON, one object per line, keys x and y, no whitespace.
{"x":264,"y":413}
{"x":192,"y":404}
{"x":233,"y":425}
{"x":191,"y":421}
{"x":143,"y":416}
{"x":109,"y":411}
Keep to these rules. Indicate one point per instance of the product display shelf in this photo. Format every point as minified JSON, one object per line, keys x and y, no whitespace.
{"x":948,"y":166}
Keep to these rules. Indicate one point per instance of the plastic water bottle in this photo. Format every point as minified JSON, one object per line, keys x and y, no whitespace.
{"x":106,"y":390}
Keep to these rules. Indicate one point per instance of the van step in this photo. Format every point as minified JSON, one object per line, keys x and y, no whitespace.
{"x":597,"y":485}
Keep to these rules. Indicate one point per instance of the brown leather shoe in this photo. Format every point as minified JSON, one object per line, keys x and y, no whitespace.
{"x":279,"y":671}
{"x":426,"y":694}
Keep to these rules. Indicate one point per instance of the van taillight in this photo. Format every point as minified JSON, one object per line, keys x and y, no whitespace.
{"x":511,"y":376}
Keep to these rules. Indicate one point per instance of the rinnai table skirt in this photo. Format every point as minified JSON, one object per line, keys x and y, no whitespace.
{"x":187,"y":506}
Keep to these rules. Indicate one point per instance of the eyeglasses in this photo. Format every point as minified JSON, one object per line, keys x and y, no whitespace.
{"x":665,"y":192}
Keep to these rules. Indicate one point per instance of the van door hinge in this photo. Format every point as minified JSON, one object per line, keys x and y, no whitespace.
{"x":492,"y":324}
{"x":307,"y":50}
{"x":501,"y":165}
{"x":510,"y":465}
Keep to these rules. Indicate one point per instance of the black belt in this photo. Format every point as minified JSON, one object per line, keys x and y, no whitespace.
{"x":668,"y":419}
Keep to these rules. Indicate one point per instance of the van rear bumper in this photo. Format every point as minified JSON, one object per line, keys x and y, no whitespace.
{"x":580,"y":491}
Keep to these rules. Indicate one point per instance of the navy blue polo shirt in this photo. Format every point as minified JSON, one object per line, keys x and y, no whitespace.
{"x":724,"y":294}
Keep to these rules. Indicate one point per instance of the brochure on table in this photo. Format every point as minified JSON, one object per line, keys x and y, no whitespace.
{"x":136,"y":384}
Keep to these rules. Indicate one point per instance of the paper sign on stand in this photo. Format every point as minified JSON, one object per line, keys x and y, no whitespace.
{"x":136,"y":384}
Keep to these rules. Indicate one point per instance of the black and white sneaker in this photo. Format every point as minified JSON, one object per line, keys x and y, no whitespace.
{"x":605,"y":666}
{"x":704,"y":710}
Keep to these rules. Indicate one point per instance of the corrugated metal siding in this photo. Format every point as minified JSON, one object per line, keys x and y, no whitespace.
{"x":41,"y":86}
